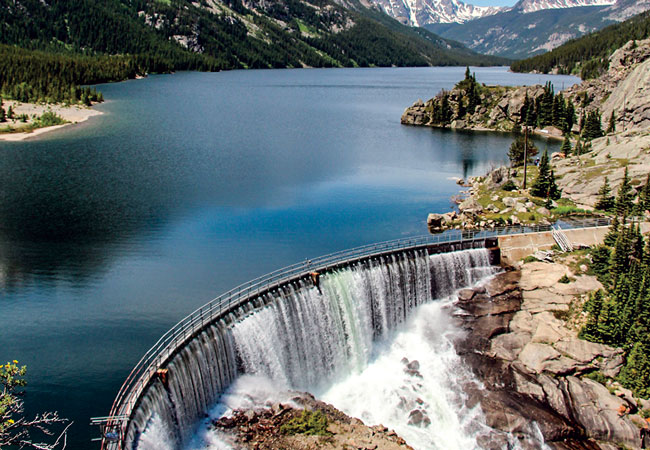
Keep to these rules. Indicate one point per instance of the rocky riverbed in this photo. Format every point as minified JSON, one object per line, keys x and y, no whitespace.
{"x":522,"y":344}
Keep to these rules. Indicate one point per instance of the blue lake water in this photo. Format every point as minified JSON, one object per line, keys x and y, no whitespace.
{"x":112,"y":230}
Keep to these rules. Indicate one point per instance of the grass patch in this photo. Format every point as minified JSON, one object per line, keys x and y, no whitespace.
{"x":564,"y":279}
{"x":568,"y":211}
{"x":530,"y":259}
{"x":310,"y":423}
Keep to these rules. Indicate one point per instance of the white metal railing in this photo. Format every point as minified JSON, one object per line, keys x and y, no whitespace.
{"x":178,"y":335}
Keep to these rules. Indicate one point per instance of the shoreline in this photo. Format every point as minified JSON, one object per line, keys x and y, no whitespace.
{"x":74,"y":114}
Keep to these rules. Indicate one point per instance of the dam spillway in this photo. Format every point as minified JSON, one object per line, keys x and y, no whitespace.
{"x":291,"y":331}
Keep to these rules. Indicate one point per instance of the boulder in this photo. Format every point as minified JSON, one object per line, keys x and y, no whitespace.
{"x":536,"y":356}
{"x":543,"y":211}
{"x":435,"y":220}
{"x":585,"y":351}
{"x":497,"y":178}
{"x":470,"y":206}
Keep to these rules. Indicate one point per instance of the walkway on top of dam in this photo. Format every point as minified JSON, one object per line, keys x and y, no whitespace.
{"x":514,"y":243}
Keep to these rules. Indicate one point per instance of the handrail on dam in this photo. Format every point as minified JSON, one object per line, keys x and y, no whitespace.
{"x":115,"y":424}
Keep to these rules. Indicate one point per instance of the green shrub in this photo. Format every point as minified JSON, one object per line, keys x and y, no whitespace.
{"x":509,"y":186}
{"x":564,"y":279}
{"x":50,"y":118}
{"x":311,"y":423}
{"x":597,"y":376}
{"x":530,"y":259}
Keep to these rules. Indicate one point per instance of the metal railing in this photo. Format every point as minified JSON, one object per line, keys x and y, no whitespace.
{"x":179,"y":334}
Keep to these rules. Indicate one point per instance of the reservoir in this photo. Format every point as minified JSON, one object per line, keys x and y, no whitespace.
{"x":190,"y":184}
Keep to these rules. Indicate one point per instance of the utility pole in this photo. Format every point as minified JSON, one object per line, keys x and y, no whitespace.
{"x":525,"y":153}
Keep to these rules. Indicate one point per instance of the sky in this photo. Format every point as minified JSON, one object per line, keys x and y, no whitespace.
{"x":491,"y":2}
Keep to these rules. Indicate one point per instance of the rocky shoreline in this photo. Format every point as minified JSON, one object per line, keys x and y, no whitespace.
{"x":534,"y":369}
{"x":265,"y":428}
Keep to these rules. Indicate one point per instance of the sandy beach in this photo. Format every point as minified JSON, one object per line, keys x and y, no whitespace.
{"x":72,"y":114}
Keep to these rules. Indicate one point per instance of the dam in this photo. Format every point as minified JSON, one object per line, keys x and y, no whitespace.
{"x":301,"y":326}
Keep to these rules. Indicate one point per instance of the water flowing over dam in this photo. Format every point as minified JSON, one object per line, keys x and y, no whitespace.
{"x":301,"y":334}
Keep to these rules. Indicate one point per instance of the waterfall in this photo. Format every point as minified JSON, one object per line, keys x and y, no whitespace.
{"x":300,"y":336}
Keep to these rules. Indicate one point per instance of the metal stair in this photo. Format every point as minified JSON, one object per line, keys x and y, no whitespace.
{"x":561,"y":239}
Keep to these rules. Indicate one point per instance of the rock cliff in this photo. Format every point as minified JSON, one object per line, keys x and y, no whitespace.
{"x":623,"y":89}
{"x":534,"y":369}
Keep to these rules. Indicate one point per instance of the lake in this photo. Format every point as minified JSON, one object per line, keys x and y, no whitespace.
{"x":113,"y":230}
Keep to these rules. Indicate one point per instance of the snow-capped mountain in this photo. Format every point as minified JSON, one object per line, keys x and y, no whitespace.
{"x":421,"y":12}
{"x":528,"y":6}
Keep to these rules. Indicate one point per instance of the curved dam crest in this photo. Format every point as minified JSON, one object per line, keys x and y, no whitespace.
{"x":301,"y":335}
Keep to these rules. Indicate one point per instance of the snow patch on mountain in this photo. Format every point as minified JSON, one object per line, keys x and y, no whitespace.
{"x":528,"y":6}
{"x":422,"y":12}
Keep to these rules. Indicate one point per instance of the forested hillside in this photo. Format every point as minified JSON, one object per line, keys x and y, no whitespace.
{"x":589,"y":55}
{"x":52,"y":46}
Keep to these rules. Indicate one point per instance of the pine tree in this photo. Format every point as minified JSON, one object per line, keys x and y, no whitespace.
{"x":606,"y":201}
{"x":593,"y":126}
{"x":612,"y":234}
{"x":545,"y":109}
{"x":531,"y":115}
{"x":566,"y":146}
{"x":516,"y":152}
{"x":461,"y":111}
{"x":624,"y":197}
{"x":644,"y":196}
{"x":578,"y":150}
{"x":570,"y":115}
{"x":635,"y":375}
{"x":607,"y":326}
{"x":593,"y":306}
{"x":3,"y":116}
{"x":545,"y":186}
{"x":559,"y":113}
{"x":611,"y":128}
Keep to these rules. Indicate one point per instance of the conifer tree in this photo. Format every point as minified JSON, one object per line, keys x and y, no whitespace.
{"x":516,"y":151}
{"x":624,"y":197}
{"x":566,"y":146}
{"x":531,"y":115}
{"x":559,"y":113}
{"x":606,"y":201}
{"x":593,"y":127}
{"x":461,"y":111}
{"x":611,"y":128}
{"x":545,"y":109}
{"x":607,"y":326}
{"x":644,"y":196}
{"x":612,"y":234}
{"x":635,"y":375}
{"x":593,"y":306}
{"x":570,"y":116}
{"x":545,"y":186}
{"x":3,"y":115}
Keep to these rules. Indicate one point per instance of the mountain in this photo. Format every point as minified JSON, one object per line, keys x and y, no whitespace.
{"x":528,"y":6}
{"x":517,"y":34}
{"x":589,"y":55}
{"x":52,"y":46}
{"x":422,"y":12}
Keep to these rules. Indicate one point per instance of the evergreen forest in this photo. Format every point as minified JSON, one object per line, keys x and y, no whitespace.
{"x":49,"y":48}
{"x":588,"y":56}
